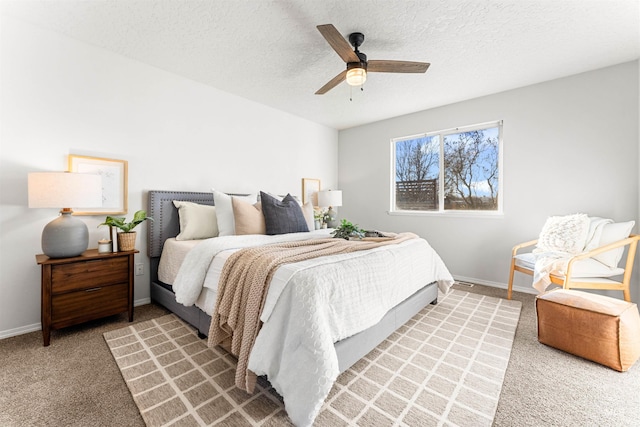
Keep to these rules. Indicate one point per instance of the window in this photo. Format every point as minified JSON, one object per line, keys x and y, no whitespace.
{"x":451,"y":170}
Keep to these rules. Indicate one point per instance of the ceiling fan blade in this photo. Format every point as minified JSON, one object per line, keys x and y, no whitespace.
{"x":383,"y":66}
{"x":338,"y":43}
{"x":332,"y":83}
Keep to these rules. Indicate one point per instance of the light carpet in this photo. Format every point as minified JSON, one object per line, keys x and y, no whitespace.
{"x":443,"y":367}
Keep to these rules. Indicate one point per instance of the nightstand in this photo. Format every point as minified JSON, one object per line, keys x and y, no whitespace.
{"x":87,"y":287}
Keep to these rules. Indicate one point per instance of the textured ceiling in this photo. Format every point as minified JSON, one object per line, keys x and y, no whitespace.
{"x":272,"y":53}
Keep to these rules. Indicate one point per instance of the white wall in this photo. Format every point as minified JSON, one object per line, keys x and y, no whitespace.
{"x":61,"y":97}
{"x":570,"y":145}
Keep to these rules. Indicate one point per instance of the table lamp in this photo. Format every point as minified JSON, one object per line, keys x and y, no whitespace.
{"x":330,"y":198}
{"x":65,"y":236}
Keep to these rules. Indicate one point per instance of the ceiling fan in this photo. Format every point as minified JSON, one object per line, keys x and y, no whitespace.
{"x":357,"y":64}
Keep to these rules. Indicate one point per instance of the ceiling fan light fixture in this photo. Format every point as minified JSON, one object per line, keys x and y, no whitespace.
{"x":356,"y":76}
{"x":357,"y":63}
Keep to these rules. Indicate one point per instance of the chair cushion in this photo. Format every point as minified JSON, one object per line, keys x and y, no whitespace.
{"x":588,"y":267}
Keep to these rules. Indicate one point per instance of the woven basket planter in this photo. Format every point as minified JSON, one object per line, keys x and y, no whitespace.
{"x":127,"y":241}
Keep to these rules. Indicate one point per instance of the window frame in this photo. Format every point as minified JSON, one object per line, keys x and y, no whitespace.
{"x":441,"y":210}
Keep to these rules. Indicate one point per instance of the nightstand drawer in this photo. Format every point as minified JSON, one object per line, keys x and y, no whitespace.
{"x":89,"y":274}
{"x":74,"y":307}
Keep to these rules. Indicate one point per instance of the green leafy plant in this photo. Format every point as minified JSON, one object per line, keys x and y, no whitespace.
{"x":119,"y":222}
{"x":347,"y":230}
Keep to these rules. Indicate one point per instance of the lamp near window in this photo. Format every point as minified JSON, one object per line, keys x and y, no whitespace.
{"x":65,"y":236}
{"x":330,"y":198}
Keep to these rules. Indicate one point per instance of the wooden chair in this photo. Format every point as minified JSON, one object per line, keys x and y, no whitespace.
{"x":523,"y":263}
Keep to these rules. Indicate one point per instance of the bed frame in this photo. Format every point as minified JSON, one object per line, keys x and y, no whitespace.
{"x":166,"y":224}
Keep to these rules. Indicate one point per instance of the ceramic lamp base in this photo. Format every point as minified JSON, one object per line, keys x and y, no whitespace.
{"x":65,"y":236}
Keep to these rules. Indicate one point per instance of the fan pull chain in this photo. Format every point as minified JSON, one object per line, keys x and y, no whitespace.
{"x":351,"y":91}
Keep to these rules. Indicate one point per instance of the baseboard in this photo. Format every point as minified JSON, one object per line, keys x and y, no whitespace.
{"x":19,"y":331}
{"x":38,"y":326}
{"x":142,"y":301}
{"x":524,"y":289}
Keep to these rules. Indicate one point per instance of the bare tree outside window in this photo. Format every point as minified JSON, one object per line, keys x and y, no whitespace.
{"x":448,"y":170}
{"x":471,"y":170}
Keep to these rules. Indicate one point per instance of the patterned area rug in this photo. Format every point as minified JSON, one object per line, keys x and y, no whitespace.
{"x":443,"y":367}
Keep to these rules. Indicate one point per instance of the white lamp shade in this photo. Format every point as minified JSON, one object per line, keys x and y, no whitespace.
{"x":64,"y":190}
{"x":330,"y":198}
{"x":65,"y":236}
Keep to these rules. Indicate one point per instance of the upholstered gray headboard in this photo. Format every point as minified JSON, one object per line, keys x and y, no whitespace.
{"x":166,"y":222}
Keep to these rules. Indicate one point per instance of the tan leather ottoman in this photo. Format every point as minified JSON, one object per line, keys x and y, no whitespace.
{"x":599,"y":328}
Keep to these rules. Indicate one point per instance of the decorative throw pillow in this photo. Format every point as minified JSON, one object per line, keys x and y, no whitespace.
{"x":224,"y":211}
{"x":282,"y":217}
{"x":296,"y":198}
{"x":196,"y":221}
{"x":567,"y":234}
{"x":612,"y":233}
{"x":248,"y":218}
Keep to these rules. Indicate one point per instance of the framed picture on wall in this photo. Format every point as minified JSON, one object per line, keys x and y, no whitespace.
{"x":310,"y":189}
{"x":114,"y":183}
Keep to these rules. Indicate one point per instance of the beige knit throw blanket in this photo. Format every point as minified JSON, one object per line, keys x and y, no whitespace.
{"x":243,"y":286}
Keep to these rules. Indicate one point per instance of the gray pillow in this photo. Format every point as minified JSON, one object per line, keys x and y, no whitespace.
{"x":284,"y":216}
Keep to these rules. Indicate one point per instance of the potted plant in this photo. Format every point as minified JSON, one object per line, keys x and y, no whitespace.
{"x":348,"y":230}
{"x":126,"y":237}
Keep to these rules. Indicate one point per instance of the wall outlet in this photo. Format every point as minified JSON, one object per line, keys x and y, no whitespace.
{"x":139,"y":269}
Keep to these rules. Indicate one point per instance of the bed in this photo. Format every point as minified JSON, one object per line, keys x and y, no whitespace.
{"x":166,"y":226}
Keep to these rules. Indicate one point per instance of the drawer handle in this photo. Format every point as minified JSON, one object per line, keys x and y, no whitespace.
{"x":92,"y":289}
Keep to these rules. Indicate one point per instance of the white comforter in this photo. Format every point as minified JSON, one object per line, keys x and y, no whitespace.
{"x":312,"y":304}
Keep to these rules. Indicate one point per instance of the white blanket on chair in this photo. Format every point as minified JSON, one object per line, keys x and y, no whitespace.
{"x":548,"y":261}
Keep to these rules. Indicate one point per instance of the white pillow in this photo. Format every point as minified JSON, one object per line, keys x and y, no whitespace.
{"x":224,"y":211}
{"x":307,"y":212}
{"x":196,"y":221}
{"x":567,"y":234}
{"x":612,"y":233}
